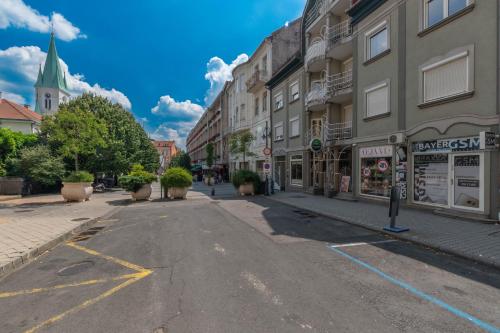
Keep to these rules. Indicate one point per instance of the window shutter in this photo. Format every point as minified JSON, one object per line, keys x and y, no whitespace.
{"x":446,"y":80}
{"x":377,"y":102}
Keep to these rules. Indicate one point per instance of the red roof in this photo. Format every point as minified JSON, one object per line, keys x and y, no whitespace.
{"x":14,"y":111}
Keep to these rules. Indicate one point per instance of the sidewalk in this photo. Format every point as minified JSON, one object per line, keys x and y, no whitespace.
{"x":472,"y":240}
{"x":32,"y":225}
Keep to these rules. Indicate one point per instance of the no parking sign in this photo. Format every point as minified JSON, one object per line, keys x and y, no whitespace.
{"x":382,"y":165}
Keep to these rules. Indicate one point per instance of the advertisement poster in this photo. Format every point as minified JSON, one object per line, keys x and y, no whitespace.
{"x":431,"y":179}
{"x":344,"y":184}
{"x":402,"y":171}
{"x":467,"y":181}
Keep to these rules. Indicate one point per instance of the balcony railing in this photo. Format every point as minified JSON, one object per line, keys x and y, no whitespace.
{"x":317,"y":49}
{"x":338,"y":131}
{"x":317,"y":94}
{"x":339,"y":33}
{"x":339,"y":83}
{"x":257,"y":80}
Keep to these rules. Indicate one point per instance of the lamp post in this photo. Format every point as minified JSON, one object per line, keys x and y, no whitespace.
{"x":265,"y":136}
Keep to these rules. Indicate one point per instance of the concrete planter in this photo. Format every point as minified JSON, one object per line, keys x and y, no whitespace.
{"x":209,"y":181}
{"x":246,"y":189}
{"x":77,"y":191}
{"x":178,"y":192}
{"x":144,"y":193}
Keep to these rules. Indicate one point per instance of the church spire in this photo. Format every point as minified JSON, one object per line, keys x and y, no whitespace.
{"x":52,"y":76}
{"x":40,"y":77}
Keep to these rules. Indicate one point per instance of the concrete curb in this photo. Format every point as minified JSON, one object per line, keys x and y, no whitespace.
{"x":445,"y":249}
{"x":34,"y":253}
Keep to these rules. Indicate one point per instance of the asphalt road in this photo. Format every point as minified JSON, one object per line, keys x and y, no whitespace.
{"x":236,"y":265}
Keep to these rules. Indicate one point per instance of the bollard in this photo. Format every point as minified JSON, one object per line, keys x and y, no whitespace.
{"x":394,"y":211}
{"x":213,"y":191}
{"x":266,"y":188}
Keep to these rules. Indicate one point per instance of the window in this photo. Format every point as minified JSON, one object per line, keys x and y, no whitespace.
{"x":264,"y":65}
{"x":377,"y":40}
{"x":296,"y":170}
{"x":278,"y":101}
{"x":278,"y":131}
{"x":377,"y":100}
{"x":264,"y":101}
{"x":294,"y":91}
{"x":257,"y":105}
{"x":294,"y":127}
{"x":446,"y":78}
{"x":243,"y":115}
{"x":376,"y":171}
{"x":438,"y":10}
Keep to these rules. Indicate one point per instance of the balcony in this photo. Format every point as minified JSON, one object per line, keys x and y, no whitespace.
{"x":339,"y":38}
{"x":316,"y":55}
{"x":338,"y":131}
{"x":339,"y":87}
{"x":317,"y":96}
{"x":257,"y":81}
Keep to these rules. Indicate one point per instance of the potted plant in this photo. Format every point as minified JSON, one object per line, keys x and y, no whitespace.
{"x":77,"y":186}
{"x":176,"y":182}
{"x":138,"y":183}
{"x":246,"y":182}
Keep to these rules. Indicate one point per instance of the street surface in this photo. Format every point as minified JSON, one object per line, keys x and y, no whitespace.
{"x":234,"y":264}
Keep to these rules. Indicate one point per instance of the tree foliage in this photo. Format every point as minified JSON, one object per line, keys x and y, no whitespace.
{"x":239,"y":144}
{"x":176,"y":177}
{"x":12,"y":142}
{"x":38,"y":165}
{"x":181,"y":160}
{"x":210,"y":155}
{"x":75,"y":132}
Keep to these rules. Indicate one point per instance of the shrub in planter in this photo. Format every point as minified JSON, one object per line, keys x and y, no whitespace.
{"x":77,"y":186}
{"x":138,"y":182}
{"x":177,"y":181}
{"x":247,"y":182}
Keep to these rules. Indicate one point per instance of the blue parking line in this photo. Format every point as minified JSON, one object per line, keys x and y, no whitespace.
{"x":459,"y":313}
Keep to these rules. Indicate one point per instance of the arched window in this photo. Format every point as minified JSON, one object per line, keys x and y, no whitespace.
{"x":48,"y":102}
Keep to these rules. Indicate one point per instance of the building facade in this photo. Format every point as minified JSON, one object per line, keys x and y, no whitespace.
{"x":167,"y":150}
{"x":51,"y":88}
{"x":18,"y":118}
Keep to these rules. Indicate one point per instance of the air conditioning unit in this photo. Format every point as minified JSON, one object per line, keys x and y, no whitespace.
{"x":397,"y":138}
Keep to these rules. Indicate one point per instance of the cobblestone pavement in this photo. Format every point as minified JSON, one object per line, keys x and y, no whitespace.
{"x":472,"y":240}
{"x":32,"y":225}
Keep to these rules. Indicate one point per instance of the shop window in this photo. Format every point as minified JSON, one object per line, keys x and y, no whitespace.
{"x":278,"y":101}
{"x":430,"y":181}
{"x":377,"y":40}
{"x":296,"y":170}
{"x":448,"y":77}
{"x":376,"y":171}
{"x":278,"y":131}
{"x":294,"y":91}
{"x":294,"y":127}
{"x":437,"y":10}
{"x":377,"y":100}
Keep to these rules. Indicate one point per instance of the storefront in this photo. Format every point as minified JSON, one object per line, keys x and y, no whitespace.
{"x":449,"y":173}
{"x":376,"y":164}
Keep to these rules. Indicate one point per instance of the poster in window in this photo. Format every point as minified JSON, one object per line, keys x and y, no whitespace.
{"x":402,"y":171}
{"x":374,"y":181}
{"x":431,"y":179}
{"x":467,"y":181}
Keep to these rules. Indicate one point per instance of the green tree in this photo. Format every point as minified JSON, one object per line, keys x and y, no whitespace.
{"x":74,"y":132}
{"x":11,"y":142}
{"x":38,"y":165}
{"x":181,"y":160}
{"x":239,"y":144}
{"x":210,"y":155}
{"x":126,"y":143}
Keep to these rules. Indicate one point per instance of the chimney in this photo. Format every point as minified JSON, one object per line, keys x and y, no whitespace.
{"x":27,"y":106}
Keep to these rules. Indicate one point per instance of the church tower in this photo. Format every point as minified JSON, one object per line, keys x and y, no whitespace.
{"x":51,"y":86}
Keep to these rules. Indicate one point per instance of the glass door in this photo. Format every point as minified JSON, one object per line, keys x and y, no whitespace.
{"x":467,"y":181}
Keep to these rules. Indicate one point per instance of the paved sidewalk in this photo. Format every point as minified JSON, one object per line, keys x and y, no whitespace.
{"x":472,"y":240}
{"x":32,"y":225}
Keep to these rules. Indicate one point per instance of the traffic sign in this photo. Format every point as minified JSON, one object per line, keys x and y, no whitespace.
{"x":267,"y":151}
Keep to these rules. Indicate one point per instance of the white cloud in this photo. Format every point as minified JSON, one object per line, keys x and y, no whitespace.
{"x":23,"y":62}
{"x":218,"y":72}
{"x":163,"y":132}
{"x":17,"y":14}
{"x":14,"y":97}
{"x":179,"y":111}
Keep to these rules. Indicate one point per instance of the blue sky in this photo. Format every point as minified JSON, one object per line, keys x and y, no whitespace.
{"x":162,"y":59}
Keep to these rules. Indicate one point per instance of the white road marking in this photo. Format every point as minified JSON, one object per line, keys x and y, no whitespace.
{"x":220,"y":249}
{"x":363,"y":243}
{"x":261,"y":288}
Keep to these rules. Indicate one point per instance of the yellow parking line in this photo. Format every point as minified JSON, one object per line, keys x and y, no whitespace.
{"x":140,"y":274}
{"x":69,"y":285}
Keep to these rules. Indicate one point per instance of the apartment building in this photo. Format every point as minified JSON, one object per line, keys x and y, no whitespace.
{"x":328,"y":60}
{"x":166,"y":150}
{"x":426,"y":103}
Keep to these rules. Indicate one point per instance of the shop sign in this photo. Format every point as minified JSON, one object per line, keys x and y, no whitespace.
{"x":488,"y":140}
{"x":382,"y":165}
{"x":402,"y":171}
{"x":383,"y":151}
{"x":448,"y":145}
{"x":316,"y":145}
